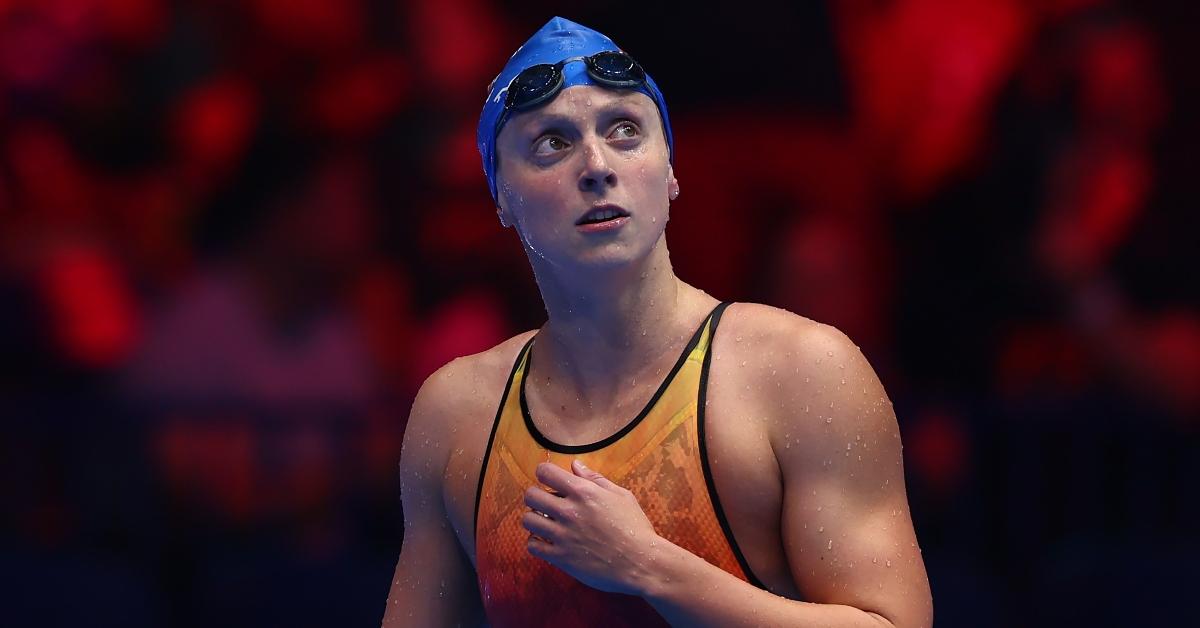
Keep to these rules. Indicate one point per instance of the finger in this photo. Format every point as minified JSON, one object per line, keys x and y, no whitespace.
{"x":596,"y":477}
{"x":540,"y":500}
{"x":558,"y":479}
{"x":540,"y":548}
{"x":540,"y":525}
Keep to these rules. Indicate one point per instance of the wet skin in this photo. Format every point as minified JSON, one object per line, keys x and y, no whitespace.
{"x":588,"y":146}
{"x":803,"y":443}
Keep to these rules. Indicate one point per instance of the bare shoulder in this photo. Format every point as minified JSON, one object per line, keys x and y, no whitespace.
{"x":793,"y":339}
{"x":834,"y":435}
{"x":812,"y":377}
{"x":460,"y":395}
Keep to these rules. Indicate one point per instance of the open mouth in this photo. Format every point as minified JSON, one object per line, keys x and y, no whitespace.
{"x":602,"y":214}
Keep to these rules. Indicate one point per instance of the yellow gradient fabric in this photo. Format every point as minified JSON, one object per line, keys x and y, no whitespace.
{"x":658,"y":456}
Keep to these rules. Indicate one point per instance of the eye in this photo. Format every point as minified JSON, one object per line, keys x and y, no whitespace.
{"x":548,"y":145}
{"x":625,"y":130}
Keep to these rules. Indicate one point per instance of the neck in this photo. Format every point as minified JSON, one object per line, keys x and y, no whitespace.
{"x":608,"y":326}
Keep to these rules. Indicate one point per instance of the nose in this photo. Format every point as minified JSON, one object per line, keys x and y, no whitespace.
{"x":596,"y":173}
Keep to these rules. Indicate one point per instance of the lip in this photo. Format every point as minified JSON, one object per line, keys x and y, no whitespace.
{"x":607,"y":225}
{"x":612,"y":206}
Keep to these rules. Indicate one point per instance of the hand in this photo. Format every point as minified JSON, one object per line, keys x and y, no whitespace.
{"x":592,"y":528}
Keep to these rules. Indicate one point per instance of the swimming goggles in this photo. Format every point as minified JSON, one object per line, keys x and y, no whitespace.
{"x":538,"y":83}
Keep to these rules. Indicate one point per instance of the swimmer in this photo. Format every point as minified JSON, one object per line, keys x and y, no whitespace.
{"x":651,"y":455}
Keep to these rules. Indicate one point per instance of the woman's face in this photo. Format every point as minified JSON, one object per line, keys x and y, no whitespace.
{"x":588,"y":147}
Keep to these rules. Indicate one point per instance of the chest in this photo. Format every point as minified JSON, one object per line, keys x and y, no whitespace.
{"x":745,"y":474}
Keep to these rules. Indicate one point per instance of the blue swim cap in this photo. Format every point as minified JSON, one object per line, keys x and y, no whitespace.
{"x":559,"y":39}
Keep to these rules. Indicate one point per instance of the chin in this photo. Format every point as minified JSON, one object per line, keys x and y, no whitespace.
{"x":586,"y":254}
{"x":613,"y":255}
{"x":607,"y":257}
{"x":606,"y":261}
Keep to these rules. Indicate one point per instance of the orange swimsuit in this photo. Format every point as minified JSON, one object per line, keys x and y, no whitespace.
{"x":660,"y":456}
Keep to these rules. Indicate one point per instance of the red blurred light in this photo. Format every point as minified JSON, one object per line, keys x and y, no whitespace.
{"x":314,"y":25}
{"x":93,"y":316}
{"x":360,"y":98}
{"x":213,"y":122}
{"x":467,"y":324}
{"x":938,"y":449}
{"x":135,"y":22}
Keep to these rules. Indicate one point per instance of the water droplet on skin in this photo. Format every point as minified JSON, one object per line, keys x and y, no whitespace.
{"x":829,"y":353}
{"x":830,"y":544}
{"x":889,"y":563}
{"x":743,"y":363}
{"x":821,"y":529}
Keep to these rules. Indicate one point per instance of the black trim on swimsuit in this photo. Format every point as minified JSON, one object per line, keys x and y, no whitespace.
{"x":487,"y":453}
{"x":708,"y":477}
{"x":545,"y":442}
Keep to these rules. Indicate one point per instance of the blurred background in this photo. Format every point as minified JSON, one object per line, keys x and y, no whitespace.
{"x":237,"y":236}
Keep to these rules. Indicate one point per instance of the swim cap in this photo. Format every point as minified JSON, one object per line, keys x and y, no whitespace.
{"x":559,"y":39}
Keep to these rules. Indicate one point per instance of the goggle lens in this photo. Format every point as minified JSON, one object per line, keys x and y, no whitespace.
{"x":538,"y":83}
{"x":616,"y":68}
{"x":533,"y":85}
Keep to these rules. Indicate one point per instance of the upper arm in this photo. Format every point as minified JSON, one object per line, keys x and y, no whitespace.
{"x":434,"y":582}
{"x":846,"y":525}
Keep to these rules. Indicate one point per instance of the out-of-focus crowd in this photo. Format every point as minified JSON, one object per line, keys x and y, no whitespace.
{"x":237,"y":236}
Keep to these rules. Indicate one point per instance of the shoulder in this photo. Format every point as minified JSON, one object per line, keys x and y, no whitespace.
{"x":789,"y":337}
{"x":465,"y":382}
{"x":462,"y":393}
{"x":787,"y":358}
{"x":812,"y":377}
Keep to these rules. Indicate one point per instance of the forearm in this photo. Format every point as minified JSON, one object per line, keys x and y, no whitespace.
{"x":689,"y":591}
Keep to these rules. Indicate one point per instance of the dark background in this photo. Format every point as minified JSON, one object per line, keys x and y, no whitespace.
{"x":237,"y":236}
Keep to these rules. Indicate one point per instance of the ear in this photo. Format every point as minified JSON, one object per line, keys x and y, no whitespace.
{"x":672,"y":183}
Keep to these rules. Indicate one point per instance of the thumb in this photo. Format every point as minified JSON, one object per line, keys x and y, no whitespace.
{"x":585,"y":472}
